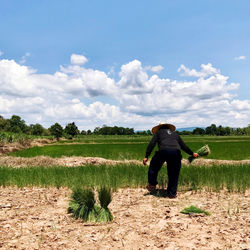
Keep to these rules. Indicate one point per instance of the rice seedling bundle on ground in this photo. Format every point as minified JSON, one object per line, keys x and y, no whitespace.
{"x":83,"y":205}
{"x":105,"y":197}
{"x":194,"y":210}
{"x":203,"y":151}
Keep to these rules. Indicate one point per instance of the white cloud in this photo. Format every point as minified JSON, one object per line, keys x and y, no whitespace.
{"x":1,"y":53}
{"x":78,"y":59}
{"x":237,"y":58}
{"x":138,"y":100}
{"x":133,"y":78}
{"x":155,"y":69}
{"x":80,"y":81}
{"x":206,"y":70}
{"x":23,"y":60}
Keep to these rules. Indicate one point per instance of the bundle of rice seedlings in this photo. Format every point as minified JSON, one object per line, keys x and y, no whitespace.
{"x":82,"y":204}
{"x":193,"y":210}
{"x":203,"y":151}
{"x":105,"y":197}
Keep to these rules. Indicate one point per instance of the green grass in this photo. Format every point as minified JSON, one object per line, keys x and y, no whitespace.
{"x":215,"y":178}
{"x":224,"y":150}
{"x":233,"y":150}
{"x":109,"y":151}
{"x":194,"y":210}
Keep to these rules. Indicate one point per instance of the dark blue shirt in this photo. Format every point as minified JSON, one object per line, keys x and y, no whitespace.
{"x":166,"y":139}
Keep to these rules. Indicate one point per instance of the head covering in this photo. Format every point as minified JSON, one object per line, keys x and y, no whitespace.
{"x":161,"y":124}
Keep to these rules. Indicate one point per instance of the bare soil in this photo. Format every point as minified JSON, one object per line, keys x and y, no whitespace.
{"x":36,"y":218}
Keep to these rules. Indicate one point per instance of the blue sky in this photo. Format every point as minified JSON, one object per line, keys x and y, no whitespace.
{"x":122,"y":41}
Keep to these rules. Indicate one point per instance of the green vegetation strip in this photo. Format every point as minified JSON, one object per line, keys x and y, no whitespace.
{"x":237,"y":150}
{"x":215,"y":178}
{"x":194,"y":210}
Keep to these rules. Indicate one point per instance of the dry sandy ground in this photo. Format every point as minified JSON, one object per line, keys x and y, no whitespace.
{"x":36,"y":218}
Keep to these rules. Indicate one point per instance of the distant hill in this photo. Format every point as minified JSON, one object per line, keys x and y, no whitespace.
{"x":187,"y":129}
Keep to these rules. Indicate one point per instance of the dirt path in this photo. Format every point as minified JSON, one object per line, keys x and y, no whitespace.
{"x":36,"y":218}
{"x":81,"y":161}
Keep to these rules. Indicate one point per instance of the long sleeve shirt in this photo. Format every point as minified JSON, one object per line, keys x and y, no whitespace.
{"x":166,"y":139}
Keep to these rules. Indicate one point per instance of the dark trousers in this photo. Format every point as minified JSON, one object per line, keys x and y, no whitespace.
{"x":173,"y":159}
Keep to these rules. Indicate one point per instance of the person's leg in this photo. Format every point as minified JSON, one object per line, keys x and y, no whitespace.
{"x":155,"y":165}
{"x":173,"y":166}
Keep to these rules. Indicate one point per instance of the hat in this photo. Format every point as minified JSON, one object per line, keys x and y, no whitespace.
{"x":161,"y":124}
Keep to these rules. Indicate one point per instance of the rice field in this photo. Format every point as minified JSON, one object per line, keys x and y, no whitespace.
{"x":34,"y":200}
{"x":232,"y":178}
{"x":215,"y":178}
{"x":119,"y":148}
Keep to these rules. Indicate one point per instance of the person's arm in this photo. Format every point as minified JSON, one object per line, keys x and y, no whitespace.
{"x":184,"y":147}
{"x":151,"y":146}
{"x":149,"y":149}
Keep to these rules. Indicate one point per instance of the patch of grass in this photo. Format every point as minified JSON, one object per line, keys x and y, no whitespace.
{"x":194,"y":210}
{"x":215,"y":178}
{"x":108,"y":151}
{"x":235,"y":150}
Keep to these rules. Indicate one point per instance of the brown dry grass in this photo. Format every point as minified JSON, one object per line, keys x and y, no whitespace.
{"x":74,"y":161}
{"x":36,"y":218}
{"x":15,"y":146}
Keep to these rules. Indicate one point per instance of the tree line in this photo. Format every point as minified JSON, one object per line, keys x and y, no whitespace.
{"x":218,"y":131}
{"x":17,"y":125}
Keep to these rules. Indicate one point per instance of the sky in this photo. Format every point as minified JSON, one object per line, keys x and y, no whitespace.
{"x":126,"y":63}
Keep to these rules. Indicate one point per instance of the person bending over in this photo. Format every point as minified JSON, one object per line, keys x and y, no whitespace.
{"x":170,"y":145}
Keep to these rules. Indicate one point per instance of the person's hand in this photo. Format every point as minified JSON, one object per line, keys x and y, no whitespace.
{"x":145,"y":161}
{"x":195,"y":155}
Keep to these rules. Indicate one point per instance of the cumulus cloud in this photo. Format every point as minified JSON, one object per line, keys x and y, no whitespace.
{"x":237,"y":58}
{"x":80,"y":94}
{"x":206,"y":70}
{"x":78,"y":59}
{"x":155,"y":69}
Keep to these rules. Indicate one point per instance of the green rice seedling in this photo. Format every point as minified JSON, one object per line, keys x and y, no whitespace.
{"x":105,"y":197}
{"x":104,"y":215}
{"x":216,"y":177}
{"x":203,"y":151}
{"x":82,"y":203}
{"x":73,"y":205}
{"x":194,"y":210}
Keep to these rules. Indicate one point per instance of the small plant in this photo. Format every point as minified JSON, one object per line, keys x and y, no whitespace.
{"x":105,"y":198}
{"x":203,"y":151}
{"x":83,"y":205}
{"x":194,"y":210}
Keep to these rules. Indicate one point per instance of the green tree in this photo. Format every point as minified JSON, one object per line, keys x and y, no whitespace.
{"x":4,"y":124}
{"x":17,"y":125}
{"x":198,"y":131}
{"x":56,"y":130}
{"x":36,"y":129}
{"x":96,"y":130}
{"x":211,"y":130}
{"x":71,"y":129}
{"x":248,"y":129}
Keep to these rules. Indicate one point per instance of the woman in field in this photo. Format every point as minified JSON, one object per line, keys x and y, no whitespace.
{"x":170,"y":145}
